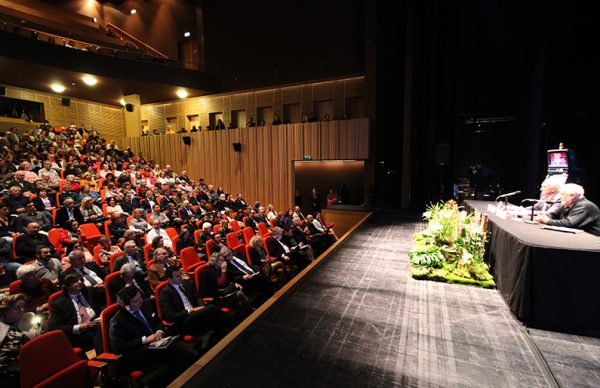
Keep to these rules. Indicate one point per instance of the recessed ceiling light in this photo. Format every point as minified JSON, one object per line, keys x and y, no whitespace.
{"x":133,"y":11}
{"x":122,"y":101}
{"x":58,"y":88}
{"x":89,"y":80}
{"x":182,"y":93}
{"x":187,"y":34}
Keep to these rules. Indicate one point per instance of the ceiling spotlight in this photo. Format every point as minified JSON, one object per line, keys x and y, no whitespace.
{"x":58,"y":88}
{"x":182,"y":93}
{"x":95,"y":20}
{"x":186,"y":34}
{"x":133,"y":11}
{"x":122,"y":101}
{"x":89,"y":80}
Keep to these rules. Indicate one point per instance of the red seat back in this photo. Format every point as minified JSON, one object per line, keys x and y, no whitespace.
{"x":114,"y":258}
{"x":235,"y":225}
{"x":107,"y":281}
{"x":105,"y":318}
{"x":248,"y":234}
{"x":209,"y":245}
{"x":197,"y":273}
{"x":189,"y":259}
{"x":14,"y":286}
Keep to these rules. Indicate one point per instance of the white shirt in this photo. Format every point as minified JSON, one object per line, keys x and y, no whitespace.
{"x":162,"y":233}
{"x":186,"y":302}
{"x":88,"y":308}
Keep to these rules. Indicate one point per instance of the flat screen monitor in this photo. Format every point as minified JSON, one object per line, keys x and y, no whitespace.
{"x":558,"y":159}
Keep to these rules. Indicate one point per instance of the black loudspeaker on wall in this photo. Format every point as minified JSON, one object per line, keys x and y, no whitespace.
{"x":2,"y":90}
{"x":237,"y":147}
{"x":442,"y":154}
{"x":66,"y":101}
{"x":129,"y":107}
{"x":187,"y":140}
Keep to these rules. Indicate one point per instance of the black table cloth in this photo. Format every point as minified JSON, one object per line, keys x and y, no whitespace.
{"x":549,"y":279}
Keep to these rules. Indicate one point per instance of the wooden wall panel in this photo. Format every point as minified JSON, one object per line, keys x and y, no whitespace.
{"x":263,"y":169}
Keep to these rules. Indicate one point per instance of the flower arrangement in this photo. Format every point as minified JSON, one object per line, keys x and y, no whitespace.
{"x":451,"y":248}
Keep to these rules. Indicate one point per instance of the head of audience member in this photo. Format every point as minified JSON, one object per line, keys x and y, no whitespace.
{"x":33,"y":228}
{"x":296,"y":209}
{"x":130,"y":248}
{"x":549,"y":188}
{"x":206,"y":228}
{"x":105,"y":243}
{"x":43,"y":254}
{"x":277,"y":232}
{"x":156,"y":209}
{"x":30,"y":208}
{"x":226,"y":253}
{"x":156,"y":224}
{"x":77,"y":259}
{"x":27,"y":273}
{"x":570,"y":193}
{"x":215,"y":260}
{"x":184,"y":234}
{"x":127,"y":273}
{"x":72,"y":226}
{"x":15,"y":192}
{"x":256,"y":242}
{"x":309,"y":218}
{"x":69,"y":203}
{"x":174,"y":275}
{"x":149,"y":195}
{"x":12,"y":308}
{"x":160,"y":256}
{"x":19,"y":176}
{"x":73,"y":284}
{"x":115,"y":217}
{"x":130,"y":298}
{"x":137,"y":214}
{"x":131,"y":235}
{"x":157,"y":242}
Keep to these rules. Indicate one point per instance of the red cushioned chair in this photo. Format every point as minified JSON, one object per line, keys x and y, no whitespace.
{"x":235,"y":225}
{"x":107,"y":281}
{"x":209,"y":245}
{"x":14,"y":286}
{"x":114,"y":258}
{"x":234,"y":243}
{"x":50,"y":361}
{"x":90,"y":235}
{"x":273,"y":222}
{"x":96,"y":253}
{"x":53,"y":236}
{"x":147,"y":249}
{"x":263,"y":230}
{"x":189,"y":259}
{"x":106,"y":230}
{"x":248,"y":233}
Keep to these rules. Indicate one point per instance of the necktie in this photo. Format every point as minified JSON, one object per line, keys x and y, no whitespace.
{"x":142,"y":319}
{"x":88,"y":277}
{"x":241,"y":267}
{"x":182,"y":290}
{"x":85,"y":316}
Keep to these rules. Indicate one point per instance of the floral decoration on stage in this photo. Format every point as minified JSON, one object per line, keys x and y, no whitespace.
{"x":451,"y":247}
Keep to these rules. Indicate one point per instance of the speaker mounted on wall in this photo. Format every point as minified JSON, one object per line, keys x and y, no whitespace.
{"x":187,"y":140}
{"x":129,"y":107}
{"x":237,"y":147}
{"x":66,"y":101}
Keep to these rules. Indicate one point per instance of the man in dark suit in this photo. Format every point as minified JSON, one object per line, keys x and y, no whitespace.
{"x":286,"y":250}
{"x":15,"y":200}
{"x":134,"y":328}
{"x":252,"y":282}
{"x":129,"y":204}
{"x":68,"y":212}
{"x":180,"y":304}
{"x":132,"y":255}
{"x":27,"y":243}
{"x":92,"y":275}
{"x":74,"y":312}
{"x":19,"y":180}
{"x":576,"y":211}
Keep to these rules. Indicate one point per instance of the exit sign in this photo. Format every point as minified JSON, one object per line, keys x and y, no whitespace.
{"x":307,"y":157}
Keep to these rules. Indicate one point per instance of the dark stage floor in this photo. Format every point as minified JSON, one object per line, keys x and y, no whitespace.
{"x":360,"y":320}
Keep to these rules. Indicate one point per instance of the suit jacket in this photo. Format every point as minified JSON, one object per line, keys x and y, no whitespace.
{"x":123,"y":260}
{"x":275,"y":248}
{"x":208,"y":286}
{"x":171,"y":305}
{"x":15,"y":203}
{"x":253,"y":223}
{"x":129,"y":207}
{"x":39,"y":205}
{"x":126,"y":331}
{"x":62,"y":216}
{"x":583,"y":214}
{"x":26,"y":244}
{"x":64,"y":316}
{"x":24,"y":185}
{"x":117,"y":284}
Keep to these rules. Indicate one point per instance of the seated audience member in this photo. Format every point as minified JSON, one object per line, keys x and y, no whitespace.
{"x":157,"y":231}
{"x":260,"y":259}
{"x":32,"y":215}
{"x":16,"y":328}
{"x":244,"y":275}
{"x":185,"y":240}
{"x":68,"y":193}
{"x":88,"y":257}
{"x":128,"y":277}
{"x":117,"y":227}
{"x":284,"y":249}
{"x":322,"y":236}
{"x":68,"y":237}
{"x":156,"y":271}
{"x":159,"y":216}
{"x":15,"y":200}
{"x":48,"y":183}
{"x":214,"y":283}
{"x":107,"y":250}
{"x":298,"y":213}
{"x":113,"y":207}
{"x":91,"y":274}
{"x":132,"y":255}
{"x":27,"y":188}
{"x":36,"y":289}
{"x":74,"y":312}
{"x":181,"y":306}
{"x":129,"y":204}
{"x":47,"y":266}
{"x":68,"y":212}
{"x":206,"y":235}
{"x":91,"y":213}
{"x":88,"y":180}
{"x":134,"y":327}
{"x":575,"y":211}
{"x":138,"y":223}
{"x":43,"y":203}
{"x":27,"y":243}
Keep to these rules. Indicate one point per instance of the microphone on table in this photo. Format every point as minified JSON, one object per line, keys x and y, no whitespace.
{"x":530,"y":200}
{"x":508,"y":194}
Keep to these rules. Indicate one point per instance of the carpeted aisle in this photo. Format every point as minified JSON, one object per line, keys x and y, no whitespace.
{"x":359,"y":320}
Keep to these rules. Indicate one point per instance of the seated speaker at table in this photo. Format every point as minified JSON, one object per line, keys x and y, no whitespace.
{"x":575,"y":211}
{"x":549,"y":197}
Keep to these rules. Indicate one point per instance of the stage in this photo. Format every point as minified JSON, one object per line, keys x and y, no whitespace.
{"x":360,"y":320}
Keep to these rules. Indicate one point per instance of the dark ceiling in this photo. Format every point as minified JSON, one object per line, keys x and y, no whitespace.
{"x":108,"y":90}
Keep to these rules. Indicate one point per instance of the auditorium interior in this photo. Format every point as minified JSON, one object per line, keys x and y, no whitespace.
{"x":355,"y":116}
